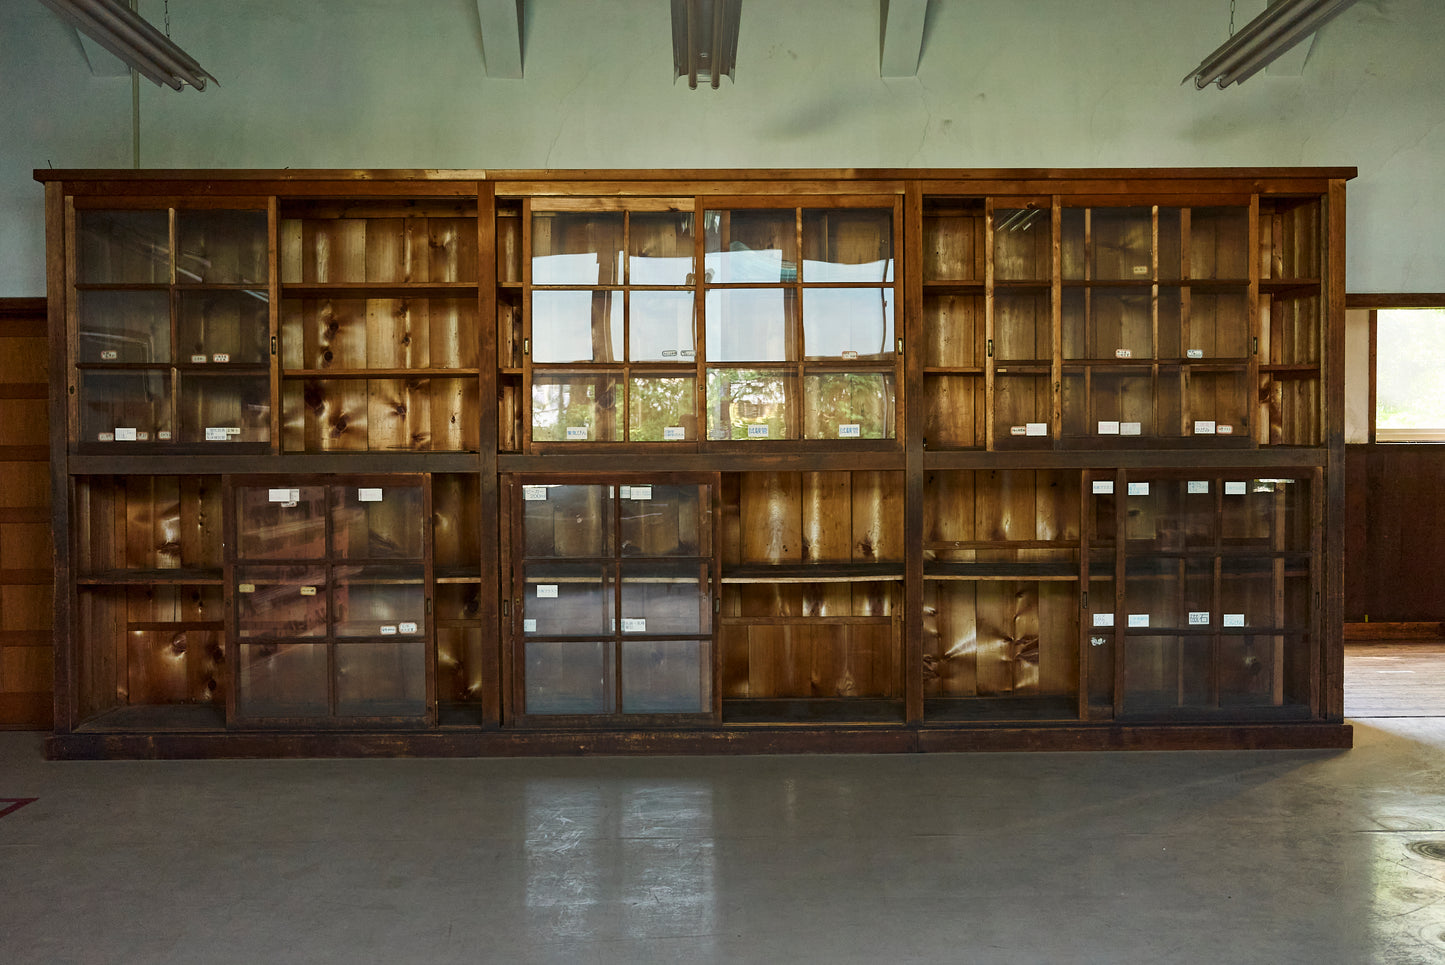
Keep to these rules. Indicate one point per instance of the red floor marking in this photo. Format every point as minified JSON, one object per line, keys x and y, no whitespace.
{"x":9,"y":805}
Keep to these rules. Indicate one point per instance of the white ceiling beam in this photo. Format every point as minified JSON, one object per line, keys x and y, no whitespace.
{"x":501,"y":37}
{"x":902,"y":22}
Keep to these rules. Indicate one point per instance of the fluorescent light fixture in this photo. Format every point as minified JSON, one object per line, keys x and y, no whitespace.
{"x":126,"y":34}
{"x":1264,"y":38}
{"x":704,"y":39}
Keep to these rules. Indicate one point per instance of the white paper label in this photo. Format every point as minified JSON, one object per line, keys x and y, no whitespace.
{"x":308,"y":591}
{"x":1234,"y":619}
{"x":529,"y":626}
{"x":757,"y":432}
{"x":1104,"y":487}
{"x":534,"y":493}
{"x":1129,"y":428}
{"x":1123,"y":353}
{"x":164,"y":435}
{"x":1199,"y":618}
{"x":198,"y":360}
{"x":673,"y":433}
{"x":1036,"y":429}
{"x":1141,"y":269}
{"x":1195,"y":353}
{"x":106,"y":437}
{"x":1198,"y":486}
{"x":1203,"y":428}
{"x":634,"y":625}
{"x":1103,"y":619}
{"x":220,"y":357}
{"x":850,"y":430}
{"x":1224,"y":429}
{"x":246,"y":588}
{"x":283,"y":495}
{"x":406,"y":628}
{"x":389,"y":630}
{"x":233,"y":430}
{"x":638,"y":492}
{"x":575,"y":433}
{"x":669,"y":353}
{"x":850,"y":355}
{"x":124,"y":435}
{"x":216,"y":434}
{"x":368,"y":495}
{"x":1138,"y":619}
{"x":1235,"y":489}
{"x":1108,"y":428}
{"x":1018,"y":430}
{"x":142,"y":436}
{"x":109,"y":355}
{"x":546,"y":591}
{"x":1138,"y":489}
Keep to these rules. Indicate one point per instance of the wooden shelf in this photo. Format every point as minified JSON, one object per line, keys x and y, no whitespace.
{"x":393,"y":289}
{"x":814,"y":573}
{"x":140,"y":577}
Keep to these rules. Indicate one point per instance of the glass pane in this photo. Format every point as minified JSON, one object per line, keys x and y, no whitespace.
{"x":848,"y":323}
{"x":660,"y":327}
{"x":1175,"y":514}
{"x":661,"y":409}
{"x":125,"y":406}
{"x":576,"y":249}
{"x":567,"y":521}
{"x":381,"y":679}
{"x":660,"y":245}
{"x":1168,"y":592}
{"x":567,"y":599}
{"x":1410,"y":348}
{"x":1121,"y":242}
{"x":377,"y":522}
{"x":848,"y":405}
{"x":1272,"y":514}
{"x":751,"y":246}
{"x":663,"y":520}
{"x":223,"y":326}
{"x":123,"y":247}
{"x":281,"y":523}
{"x":281,"y":601}
{"x":569,"y":677}
{"x":1167,"y":673}
{"x":283,"y":680}
{"x":1100,"y":619}
{"x":221,"y":247}
{"x":748,"y":404}
{"x":665,"y":598}
{"x":1022,"y":245}
{"x":575,"y":326}
{"x":1219,"y":243}
{"x":124,"y":327}
{"x":666,"y":677}
{"x":225,"y":408}
{"x":848,"y":244}
{"x":368,"y":603}
{"x":1258,"y":670}
{"x":751,"y":324}
{"x":1023,"y":326}
{"x":575,"y":408}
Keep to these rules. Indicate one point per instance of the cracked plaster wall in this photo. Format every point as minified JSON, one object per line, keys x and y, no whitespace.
{"x":1043,"y":83}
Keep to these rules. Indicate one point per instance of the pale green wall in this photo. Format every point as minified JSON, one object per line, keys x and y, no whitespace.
{"x":1036,"y":83}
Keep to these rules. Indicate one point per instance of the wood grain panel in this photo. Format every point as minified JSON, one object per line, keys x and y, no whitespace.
{"x":1395,"y":528}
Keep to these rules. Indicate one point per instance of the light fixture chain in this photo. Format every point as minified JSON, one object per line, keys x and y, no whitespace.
{"x":1231,"y":18}
{"x":168,"y":17}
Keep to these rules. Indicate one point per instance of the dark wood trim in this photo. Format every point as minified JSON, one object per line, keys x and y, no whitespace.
{"x":1395,"y":300}
{"x":1372,"y":377}
{"x":1332,"y":666}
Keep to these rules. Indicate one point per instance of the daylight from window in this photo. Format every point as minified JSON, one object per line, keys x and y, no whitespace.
{"x":1409,"y":392}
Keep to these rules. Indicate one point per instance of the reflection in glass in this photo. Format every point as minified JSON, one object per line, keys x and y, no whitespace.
{"x":661,"y":597}
{"x":378,"y":679}
{"x":235,"y":325}
{"x":848,"y":323}
{"x":567,"y":521}
{"x":848,"y":405}
{"x":660,"y":326}
{"x":748,"y":403}
{"x":576,"y":249}
{"x":751,"y":246}
{"x":369,"y":609}
{"x":577,"y":326}
{"x":282,"y":680}
{"x":666,"y":522}
{"x":221,"y":247}
{"x":569,"y":677}
{"x":666,"y":676}
{"x":129,"y":326}
{"x":225,"y":408}
{"x":661,"y":409}
{"x":125,"y":406}
{"x":848,"y":244}
{"x":283,"y":523}
{"x":661,"y":248}
{"x":575,"y":408}
{"x":377,"y":522}
{"x":281,"y":601}
{"x":123,"y":247}
{"x":567,"y":599}
{"x":750,"y":324}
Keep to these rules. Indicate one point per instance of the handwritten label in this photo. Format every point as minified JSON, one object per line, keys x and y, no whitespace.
{"x":106,"y":437}
{"x":638,"y":492}
{"x":1141,"y":269}
{"x":757,"y":432}
{"x":673,"y":433}
{"x":1235,"y":489}
{"x":221,"y":357}
{"x":850,"y":430}
{"x":368,"y":495}
{"x":142,"y":436}
{"x":388,"y":630}
{"x":1036,"y":429}
{"x":1199,"y":618}
{"x":1129,"y":428}
{"x":124,"y":435}
{"x":576,"y":433}
{"x":669,"y":353}
{"x":198,"y":360}
{"x":164,"y":435}
{"x":283,"y":495}
{"x":1123,"y":353}
{"x":547,"y":591}
{"x":529,"y":626}
{"x":1195,"y":353}
{"x":1138,"y":489}
{"x":216,"y":434}
{"x":1103,"y":619}
{"x":1138,"y":619}
{"x":534,"y":494}
{"x":247,"y":588}
{"x":850,"y":355}
{"x":1225,"y":429}
{"x":1203,"y":427}
{"x":406,"y":627}
{"x":1109,"y":428}
{"x":1103,"y":487}
{"x":109,"y":355}
{"x":1018,"y":430}
{"x":1198,"y":487}
{"x":308,"y":591}
{"x":1234,"y":619}
{"x":634,"y":625}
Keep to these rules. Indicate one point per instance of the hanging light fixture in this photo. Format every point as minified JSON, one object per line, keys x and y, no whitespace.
{"x":1284,"y":24}
{"x":704,"y":39}
{"x":123,"y":32}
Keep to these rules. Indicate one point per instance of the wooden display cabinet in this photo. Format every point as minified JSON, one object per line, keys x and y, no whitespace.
{"x":555,"y":462}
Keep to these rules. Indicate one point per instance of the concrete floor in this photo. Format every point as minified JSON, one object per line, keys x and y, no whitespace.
{"x":1228,"y":857}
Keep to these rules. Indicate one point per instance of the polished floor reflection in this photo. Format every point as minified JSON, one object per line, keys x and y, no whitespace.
{"x":1279,"y":857}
